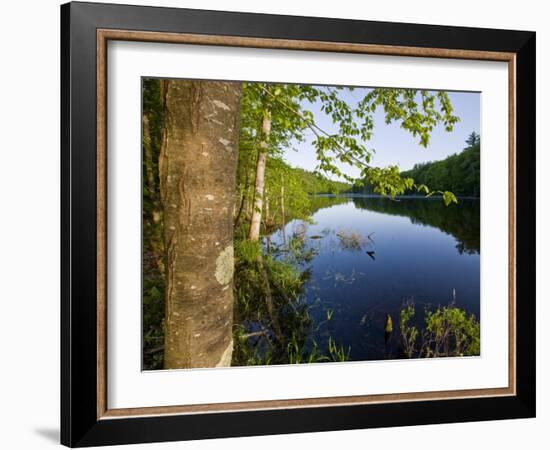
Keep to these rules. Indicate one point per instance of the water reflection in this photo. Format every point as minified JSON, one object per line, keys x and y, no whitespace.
{"x":368,"y":256}
{"x":461,"y":221}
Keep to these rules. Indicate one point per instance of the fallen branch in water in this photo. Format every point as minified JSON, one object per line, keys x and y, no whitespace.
{"x":254,"y":334}
{"x":154,"y":350}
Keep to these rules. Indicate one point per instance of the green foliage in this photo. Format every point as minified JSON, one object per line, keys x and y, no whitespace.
{"x":448,"y":331}
{"x":417,"y":111}
{"x":153,"y":315}
{"x":448,"y":198}
{"x":153,"y":246}
{"x":388,"y":181}
{"x":286,"y":188}
{"x":298,"y":354}
{"x":473,"y":139}
{"x":459,"y":173}
{"x":337,"y":352}
{"x":409,"y":333}
{"x":246,"y":355}
{"x":285,"y":276}
{"x":247,"y":251}
{"x":315,"y":183}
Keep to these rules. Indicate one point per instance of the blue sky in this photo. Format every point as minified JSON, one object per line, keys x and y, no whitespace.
{"x":393,"y":145}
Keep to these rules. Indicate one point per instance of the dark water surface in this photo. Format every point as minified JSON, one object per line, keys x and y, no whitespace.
{"x":373,"y":254}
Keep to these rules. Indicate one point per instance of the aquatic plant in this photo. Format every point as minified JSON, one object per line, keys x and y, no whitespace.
{"x":247,"y":251}
{"x":451,"y":332}
{"x":448,"y":331}
{"x":351,"y":240}
{"x":409,"y":333}
{"x":337,"y":352}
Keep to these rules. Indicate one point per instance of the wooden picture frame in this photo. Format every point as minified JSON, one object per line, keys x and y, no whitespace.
{"x":86,"y":418}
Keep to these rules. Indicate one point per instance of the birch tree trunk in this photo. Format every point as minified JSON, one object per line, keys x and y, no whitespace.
{"x":197,"y":165}
{"x":259,"y":184}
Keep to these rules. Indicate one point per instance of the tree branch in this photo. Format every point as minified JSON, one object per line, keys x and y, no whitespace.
{"x":316,"y":129}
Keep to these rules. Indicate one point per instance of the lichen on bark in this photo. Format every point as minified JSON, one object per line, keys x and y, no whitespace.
{"x":225,"y":266}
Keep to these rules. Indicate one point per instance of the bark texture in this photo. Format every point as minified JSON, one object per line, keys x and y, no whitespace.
{"x":197,"y":164}
{"x":259,"y":184}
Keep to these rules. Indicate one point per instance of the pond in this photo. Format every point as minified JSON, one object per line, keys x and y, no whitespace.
{"x":369,"y":256}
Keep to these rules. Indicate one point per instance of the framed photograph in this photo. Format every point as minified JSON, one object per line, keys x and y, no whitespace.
{"x":276,"y":224}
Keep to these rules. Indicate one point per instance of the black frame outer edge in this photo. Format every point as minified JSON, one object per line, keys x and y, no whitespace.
{"x":79,"y":425}
{"x":65,"y":228}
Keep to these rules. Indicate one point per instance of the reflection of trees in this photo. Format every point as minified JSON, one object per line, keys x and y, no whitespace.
{"x":314,"y":204}
{"x":317,"y":202}
{"x":461,"y":221}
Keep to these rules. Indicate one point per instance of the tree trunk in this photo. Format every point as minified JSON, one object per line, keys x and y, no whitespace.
{"x":197,"y":165}
{"x":266,"y":219}
{"x":254,"y":231}
{"x":243,"y":199}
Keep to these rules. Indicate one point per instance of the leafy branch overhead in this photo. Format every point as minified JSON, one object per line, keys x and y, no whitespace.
{"x":417,"y":111}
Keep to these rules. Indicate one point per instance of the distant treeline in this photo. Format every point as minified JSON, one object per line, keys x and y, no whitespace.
{"x":458,"y":173}
{"x":313,"y":183}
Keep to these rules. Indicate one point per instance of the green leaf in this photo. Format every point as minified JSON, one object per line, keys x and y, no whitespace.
{"x":449,"y":197}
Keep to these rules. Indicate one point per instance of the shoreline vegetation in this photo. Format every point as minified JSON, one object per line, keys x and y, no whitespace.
{"x":264,"y":281}
{"x":397,"y":197}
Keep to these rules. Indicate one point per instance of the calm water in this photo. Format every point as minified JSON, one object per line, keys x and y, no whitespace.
{"x":373,"y":254}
